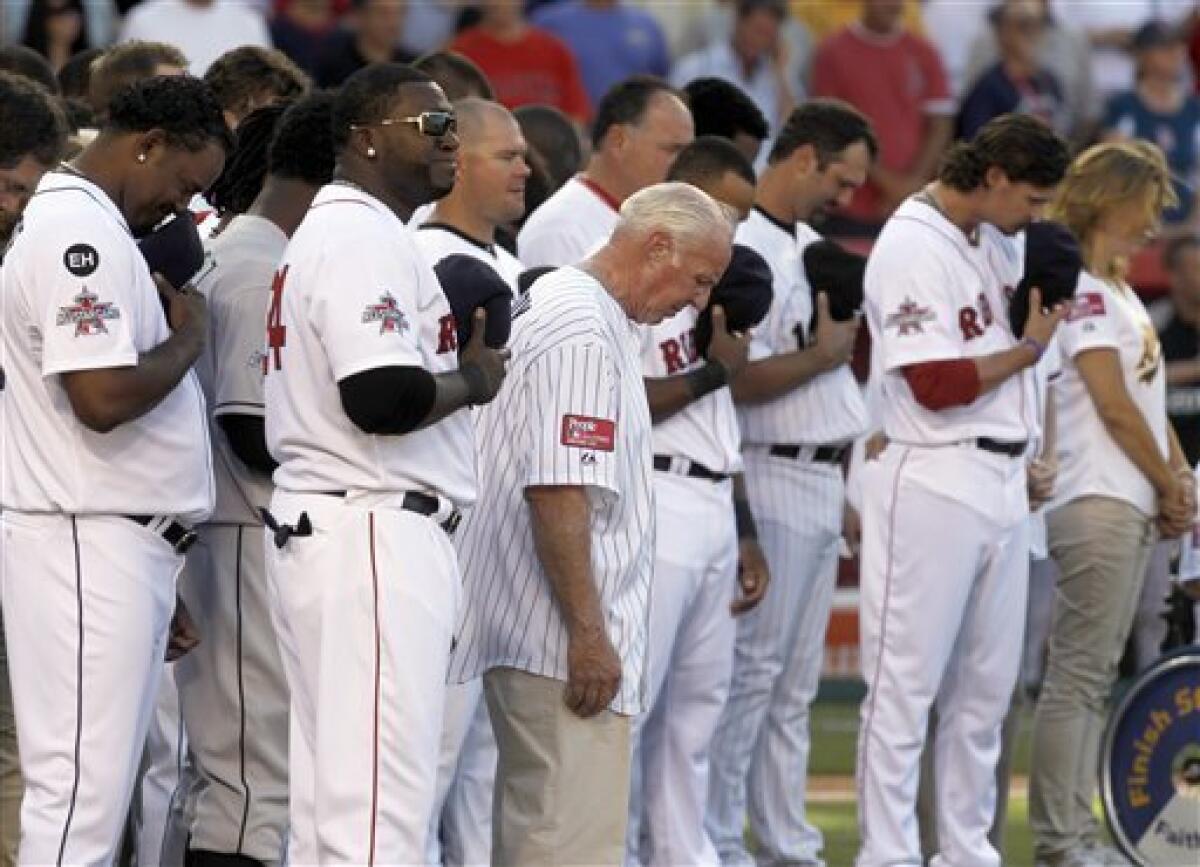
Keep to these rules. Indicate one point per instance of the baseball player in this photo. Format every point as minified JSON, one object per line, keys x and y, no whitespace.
{"x":945,"y":546}
{"x":488,"y":194}
{"x":232,"y":688}
{"x":641,"y":125}
{"x":107,"y":464}
{"x":557,"y":554}
{"x":800,"y":407}
{"x":365,"y":393}
{"x":34,"y":136}
{"x":701,"y":550}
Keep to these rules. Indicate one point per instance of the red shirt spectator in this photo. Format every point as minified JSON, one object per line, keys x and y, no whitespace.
{"x":530,"y":68}
{"x":897,"y":80}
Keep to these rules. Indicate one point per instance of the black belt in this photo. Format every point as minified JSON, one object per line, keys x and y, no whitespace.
{"x":662,"y":463}
{"x":822,"y":454}
{"x":1000,"y":447}
{"x":177,"y":536}
{"x":422,"y":504}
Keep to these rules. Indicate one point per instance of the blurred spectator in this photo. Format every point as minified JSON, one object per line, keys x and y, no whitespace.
{"x":896,"y":79}
{"x":754,"y":56}
{"x":1018,"y":82}
{"x":126,"y":63}
{"x":1066,"y":54}
{"x":1162,"y":109}
{"x":1180,"y":338}
{"x":54,"y":29}
{"x":301,"y":28}
{"x":250,"y":77}
{"x":457,"y":76}
{"x":823,"y":19}
{"x":428,"y":25}
{"x":100,"y":20}
{"x":683,"y":24}
{"x":1109,"y":29}
{"x":722,"y":109}
{"x":953,"y":26}
{"x":526,"y":65}
{"x":26,"y":62}
{"x":75,"y":76}
{"x":372,"y":35}
{"x":554,"y":140}
{"x":610,"y":40}
{"x":202,"y":29}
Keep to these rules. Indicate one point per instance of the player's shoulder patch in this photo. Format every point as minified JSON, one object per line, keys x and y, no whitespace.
{"x":1085,"y":306}
{"x":87,"y":314}
{"x":81,"y":260}
{"x":588,"y":432}
{"x":908,"y":318}
{"x":387,"y":313}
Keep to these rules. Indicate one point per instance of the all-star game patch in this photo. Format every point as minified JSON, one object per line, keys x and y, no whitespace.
{"x":387,"y":313}
{"x":1150,"y":772}
{"x":87,"y":314}
{"x":82,"y":260}
{"x":909,"y":318}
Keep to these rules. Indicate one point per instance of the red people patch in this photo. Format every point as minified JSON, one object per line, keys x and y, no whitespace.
{"x":585,"y":432}
{"x":1085,"y":306}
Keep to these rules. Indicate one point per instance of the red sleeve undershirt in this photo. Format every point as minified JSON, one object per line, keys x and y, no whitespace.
{"x":944,"y":383}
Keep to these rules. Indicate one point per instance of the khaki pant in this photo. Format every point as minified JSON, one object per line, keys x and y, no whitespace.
{"x":10,"y":767}
{"x":1101,"y":546}
{"x":562,"y":782}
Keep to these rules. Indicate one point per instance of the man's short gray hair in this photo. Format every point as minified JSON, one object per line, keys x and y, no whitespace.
{"x":685,"y":212}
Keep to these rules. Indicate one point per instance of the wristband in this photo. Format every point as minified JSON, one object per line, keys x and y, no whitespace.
{"x":1038,"y":347}
{"x":744,"y":519}
{"x":707,"y":379}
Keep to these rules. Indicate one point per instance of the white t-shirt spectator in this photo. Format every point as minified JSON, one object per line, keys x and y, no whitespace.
{"x":1090,"y":463}
{"x":203,"y":31}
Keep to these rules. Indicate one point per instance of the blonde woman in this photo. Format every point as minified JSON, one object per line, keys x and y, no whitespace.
{"x":1122,"y":482}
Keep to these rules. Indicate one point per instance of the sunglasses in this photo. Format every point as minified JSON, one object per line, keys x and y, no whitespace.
{"x":434,"y":124}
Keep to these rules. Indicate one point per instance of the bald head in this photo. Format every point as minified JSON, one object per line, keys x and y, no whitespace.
{"x":489,"y":190}
{"x":477,"y":118}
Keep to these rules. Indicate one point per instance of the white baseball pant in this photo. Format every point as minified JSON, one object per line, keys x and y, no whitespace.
{"x":87,"y":603}
{"x":943,"y":589}
{"x":460,"y":828}
{"x":233,"y":694}
{"x":688,"y":665}
{"x":365,"y":609}
{"x":160,"y":796}
{"x":760,"y":751}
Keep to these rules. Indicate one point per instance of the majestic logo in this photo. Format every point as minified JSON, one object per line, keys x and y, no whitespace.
{"x":88,"y":314}
{"x":387,"y":314}
{"x":909,"y":318}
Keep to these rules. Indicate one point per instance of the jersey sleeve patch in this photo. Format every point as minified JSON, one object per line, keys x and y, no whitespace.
{"x":87,"y":314}
{"x":1085,"y":306}
{"x":387,"y":313}
{"x":908,"y":318}
{"x":586,"y":432}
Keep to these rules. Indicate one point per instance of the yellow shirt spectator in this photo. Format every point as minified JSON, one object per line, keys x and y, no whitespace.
{"x":823,"y":17}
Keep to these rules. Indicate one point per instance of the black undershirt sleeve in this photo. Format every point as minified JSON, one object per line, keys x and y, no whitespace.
{"x":388,"y":400}
{"x":248,"y":438}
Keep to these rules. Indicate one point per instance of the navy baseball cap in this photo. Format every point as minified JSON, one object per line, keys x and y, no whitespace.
{"x":744,"y":291}
{"x":470,"y":284}
{"x":174,"y":249}
{"x":1052,"y":264}
{"x":834,"y":270}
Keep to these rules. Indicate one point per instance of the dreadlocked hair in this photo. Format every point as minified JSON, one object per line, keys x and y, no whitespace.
{"x":246,"y":169}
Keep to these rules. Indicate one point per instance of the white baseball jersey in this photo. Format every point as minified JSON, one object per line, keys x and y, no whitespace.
{"x":932,"y":294}
{"x":238,"y":287}
{"x":353,"y":294}
{"x":706,"y":430}
{"x":828,"y":408}
{"x":436,"y":241}
{"x":1090,"y":461}
{"x":572,"y":411}
{"x":567,"y":225}
{"x":78,"y":296}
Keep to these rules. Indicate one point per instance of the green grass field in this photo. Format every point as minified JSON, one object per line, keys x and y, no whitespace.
{"x":831,"y":805}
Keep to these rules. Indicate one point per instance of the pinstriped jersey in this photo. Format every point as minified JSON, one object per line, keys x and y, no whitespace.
{"x":706,"y":430}
{"x":572,"y":411}
{"x":828,"y":408}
